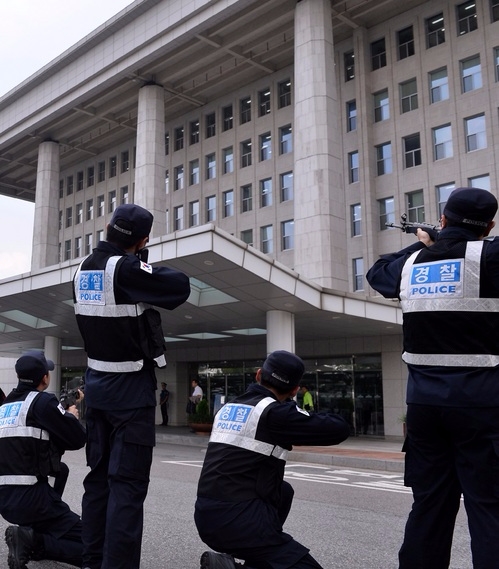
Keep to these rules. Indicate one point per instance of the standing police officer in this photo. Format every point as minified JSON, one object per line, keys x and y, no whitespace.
{"x":243,"y":500}
{"x":34,"y":432}
{"x":449,"y":292}
{"x":114,"y":289}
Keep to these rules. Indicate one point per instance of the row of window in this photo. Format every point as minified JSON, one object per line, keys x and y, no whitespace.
{"x":226,"y":117}
{"x":414,"y":205}
{"x":246,"y":154}
{"x":438,"y":84}
{"x":94,"y":208}
{"x":475,"y":139}
{"x":467,"y":21}
{"x":79,"y":181}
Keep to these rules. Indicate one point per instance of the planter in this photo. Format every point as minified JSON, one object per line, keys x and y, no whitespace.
{"x":201,"y":428}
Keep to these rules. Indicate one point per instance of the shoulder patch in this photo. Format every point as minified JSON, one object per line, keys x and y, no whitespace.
{"x":145,"y":267}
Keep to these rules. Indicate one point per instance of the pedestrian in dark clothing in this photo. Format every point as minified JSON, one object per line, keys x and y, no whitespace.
{"x":114,"y":291}
{"x":34,"y":431}
{"x":243,"y":500}
{"x":449,"y":293}
{"x":164,"y":397}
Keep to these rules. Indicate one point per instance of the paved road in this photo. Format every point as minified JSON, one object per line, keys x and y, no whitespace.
{"x":350,"y":518}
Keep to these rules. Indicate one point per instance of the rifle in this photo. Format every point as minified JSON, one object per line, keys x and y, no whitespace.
{"x":413,"y":226}
{"x":69,"y":397}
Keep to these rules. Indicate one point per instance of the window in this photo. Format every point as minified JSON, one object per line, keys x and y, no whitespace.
{"x":476,"y":137}
{"x":211,"y":166}
{"x":90,"y":209}
{"x":412,"y":150}
{"x":482,"y":182}
{"x":353,"y":167}
{"x":439,"y":85}
{"x":211,"y":125}
{"x":228,"y":203}
{"x":167,"y":143}
{"x":435,"y":30}
{"x":245,"y":110}
{"x":69,"y":185}
{"x":90,"y":176}
{"x":358,"y":274}
{"x":60,"y":222}
{"x":384,"y":158}
{"x":496,"y":61}
{"x":408,"y":96}
{"x":466,"y":17}
{"x":286,"y":185}
{"x":211,"y":208}
{"x":101,"y":172}
{"x":193,"y":172}
{"x":123,"y":195}
{"x":178,"y":213}
{"x":99,"y":235}
{"x":112,"y":201}
{"x":67,"y":250}
{"x":349,"y":61}
{"x":179,"y":138}
{"x":245,"y":153}
{"x":266,"y":239}
{"x":78,"y":244}
{"x":112,"y":166}
{"x":179,"y":177}
{"x":194,"y":132}
{"x":88,"y":243}
{"x":381,"y":106}
{"x":79,"y":181}
{"x":284,"y":93}
{"x":405,"y":42}
{"x":378,"y":54}
{"x":351,"y":116}
{"x":69,"y":216}
{"x":125,"y":161}
{"x":79,"y":213}
{"x":263,"y":102}
{"x":228,"y":118}
{"x":386,"y":212}
{"x":246,"y":198}
{"x":167,"y":181}
{"x":228,"y":160}
{"x":494,"y":9}
{"x":100,"y":206}
{"x":247,"y":236}
{"x":415,"y":206}
{"x":471,"y":74}
{"x":285,"y":139}
{"x":266,"y":192}
{"x":287,"y":234}
{"x":442,"y":142}
{"x":443,"y":193}
{"x":356,"y":219}
{"x":265,"y":146}
{"x":193,"y":214}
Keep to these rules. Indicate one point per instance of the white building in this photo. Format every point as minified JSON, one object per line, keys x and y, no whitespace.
{"x":272,"y":140}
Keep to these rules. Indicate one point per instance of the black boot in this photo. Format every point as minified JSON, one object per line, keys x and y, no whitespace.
{"x":20,"y":541}
{"x":212,"y":560}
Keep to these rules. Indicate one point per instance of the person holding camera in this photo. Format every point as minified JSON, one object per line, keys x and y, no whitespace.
{"x":34,"y":431}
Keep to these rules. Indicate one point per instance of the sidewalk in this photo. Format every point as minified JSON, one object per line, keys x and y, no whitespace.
{"x":355,"y":452}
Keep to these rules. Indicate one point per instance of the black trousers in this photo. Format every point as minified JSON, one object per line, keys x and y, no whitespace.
{"x":449,"y":451}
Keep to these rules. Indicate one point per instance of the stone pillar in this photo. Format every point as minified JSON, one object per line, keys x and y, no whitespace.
{"x":150,"y":156}
{"x":320,"y":225}
{"x":45,"y":250}
{"x":52,"y":350}
{"x":280,"y":331}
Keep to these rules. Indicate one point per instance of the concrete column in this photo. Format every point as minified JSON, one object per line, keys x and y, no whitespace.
{"x":150,"y":157}
{"x":280,"y":331}
{"x":52,"y":350}
{"x":45,"y":250}
{"x":320,"y":225}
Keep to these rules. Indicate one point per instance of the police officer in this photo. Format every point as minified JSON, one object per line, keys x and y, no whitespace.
{"x":34,"y":432}
{"x":114,"y":291}
{"x":449,"y":292}
{"x":242,"y":499}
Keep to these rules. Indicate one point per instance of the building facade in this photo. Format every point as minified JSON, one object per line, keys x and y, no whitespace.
{"x":273,"y":141}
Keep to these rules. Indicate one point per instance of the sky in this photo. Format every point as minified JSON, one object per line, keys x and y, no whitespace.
{"x":34,"y":32}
